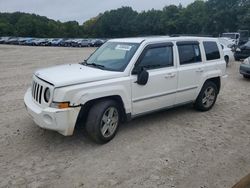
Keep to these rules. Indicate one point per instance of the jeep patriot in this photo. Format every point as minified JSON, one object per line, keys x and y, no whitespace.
{"x":126,"y":78}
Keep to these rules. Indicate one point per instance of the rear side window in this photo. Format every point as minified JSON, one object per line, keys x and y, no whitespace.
{"x":211,"y":50}
{"x":189,"y":53}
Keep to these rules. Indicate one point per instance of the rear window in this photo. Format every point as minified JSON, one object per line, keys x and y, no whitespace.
{"x":211,"y":50}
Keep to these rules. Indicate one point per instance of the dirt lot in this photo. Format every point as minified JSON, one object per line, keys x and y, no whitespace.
{"x":179,"y":148}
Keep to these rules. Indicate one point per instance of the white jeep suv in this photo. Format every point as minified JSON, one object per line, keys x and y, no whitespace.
{"x":126,"y":78}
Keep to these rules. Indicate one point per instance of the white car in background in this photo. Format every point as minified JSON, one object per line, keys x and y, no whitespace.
{"x":234,"y":37}
{"x":226,"y":41}
{"x":228,"y":54}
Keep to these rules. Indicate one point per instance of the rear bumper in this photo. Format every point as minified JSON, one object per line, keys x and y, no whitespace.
{"x":245,"y":69}
{"x":62,"y":121}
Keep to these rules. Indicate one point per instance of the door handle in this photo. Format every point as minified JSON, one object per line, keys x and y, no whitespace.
{"x":170,"y":75}
{"x":200,"y":70}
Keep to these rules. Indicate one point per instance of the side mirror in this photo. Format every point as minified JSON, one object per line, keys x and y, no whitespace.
{"x":142,"y":77}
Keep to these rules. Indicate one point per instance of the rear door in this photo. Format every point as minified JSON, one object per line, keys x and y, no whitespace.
{"x":214,"y":60}
{"x":190,"y":71}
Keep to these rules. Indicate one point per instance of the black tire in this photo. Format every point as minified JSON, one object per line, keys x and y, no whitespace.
{"x":246,"y":76}
{"x":226,"y":59}
{"x":205,"y":106}
{"x":95,"y":123}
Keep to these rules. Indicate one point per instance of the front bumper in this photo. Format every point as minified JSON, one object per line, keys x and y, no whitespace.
{"x":245,"y":69}
{"x":60,"y":120}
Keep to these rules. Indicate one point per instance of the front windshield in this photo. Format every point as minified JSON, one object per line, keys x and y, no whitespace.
{"x":113,"y":56}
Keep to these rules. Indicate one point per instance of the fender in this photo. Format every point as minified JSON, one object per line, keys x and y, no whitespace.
{"x":102,"y":92}
{"x":208,"y":75}
{"x":82,"y":93}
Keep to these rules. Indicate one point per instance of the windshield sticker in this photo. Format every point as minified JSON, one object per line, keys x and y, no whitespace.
{"x":123,"y":47}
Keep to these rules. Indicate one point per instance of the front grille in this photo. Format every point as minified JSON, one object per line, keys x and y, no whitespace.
{"x":37,"y":91}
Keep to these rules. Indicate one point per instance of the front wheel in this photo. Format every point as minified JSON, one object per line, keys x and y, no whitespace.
{"x":207,"y":97}
{"x":246,"y":76}
{"x":103,"y":121}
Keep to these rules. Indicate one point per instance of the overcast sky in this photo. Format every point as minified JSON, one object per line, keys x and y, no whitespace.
{"x":80,"y":10}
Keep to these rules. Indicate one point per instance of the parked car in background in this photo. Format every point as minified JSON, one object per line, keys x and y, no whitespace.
{"x":245,"y":68}
{"x":96,"y":42}
{"x":4,"y":39}
{"x":39,"y":42}
{"x":227,"y":42}
{"x":234,"y":37}
{"x":29,"y":42}
{"x":56,"y":42}
{"x":22,"y":40}
{"x":228,"y":54}
{"x":63,"y":42}
{"x":49,"y":41}
{"x":75,"y":42}
{"x":12,"y":40}
{"x":244,"y":37}
{"x":239,"y":38}
{"x":124,"y":79}
{"x":84,"y":43}
{"x":52,"y":41}
{"x":67,"y":43}
{"x":242,"y":52}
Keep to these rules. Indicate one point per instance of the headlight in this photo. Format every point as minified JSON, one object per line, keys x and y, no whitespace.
{"x":246,"y":61}
{"x":238,"y":50}
{"x":47,"y":95}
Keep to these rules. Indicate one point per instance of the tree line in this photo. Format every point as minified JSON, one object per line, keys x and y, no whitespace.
{"x":210,"y":17}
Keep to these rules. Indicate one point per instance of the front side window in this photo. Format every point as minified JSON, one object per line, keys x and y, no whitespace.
{"x":113,"y":56}
{"x":157,"y":57}
{"x":189,"y":53}
{"x":211,"y":50}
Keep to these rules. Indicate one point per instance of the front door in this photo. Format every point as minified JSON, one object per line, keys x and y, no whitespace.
{"x":160,"y":90}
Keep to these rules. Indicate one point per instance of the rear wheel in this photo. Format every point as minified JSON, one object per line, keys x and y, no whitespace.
{"x":207,"y":97}
{"x":246,"y":76}
{"x":103,"y":121}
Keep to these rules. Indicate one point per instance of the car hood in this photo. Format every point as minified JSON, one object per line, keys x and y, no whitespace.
{"x":64,"y":75}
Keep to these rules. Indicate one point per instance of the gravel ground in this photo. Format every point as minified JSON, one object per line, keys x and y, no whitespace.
{"x":179,"y":148}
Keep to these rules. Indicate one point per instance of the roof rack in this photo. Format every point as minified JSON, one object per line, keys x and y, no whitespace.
{"x":190,"y":35}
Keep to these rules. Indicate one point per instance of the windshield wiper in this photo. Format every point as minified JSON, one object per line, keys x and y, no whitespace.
{"x":94,"y":65}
